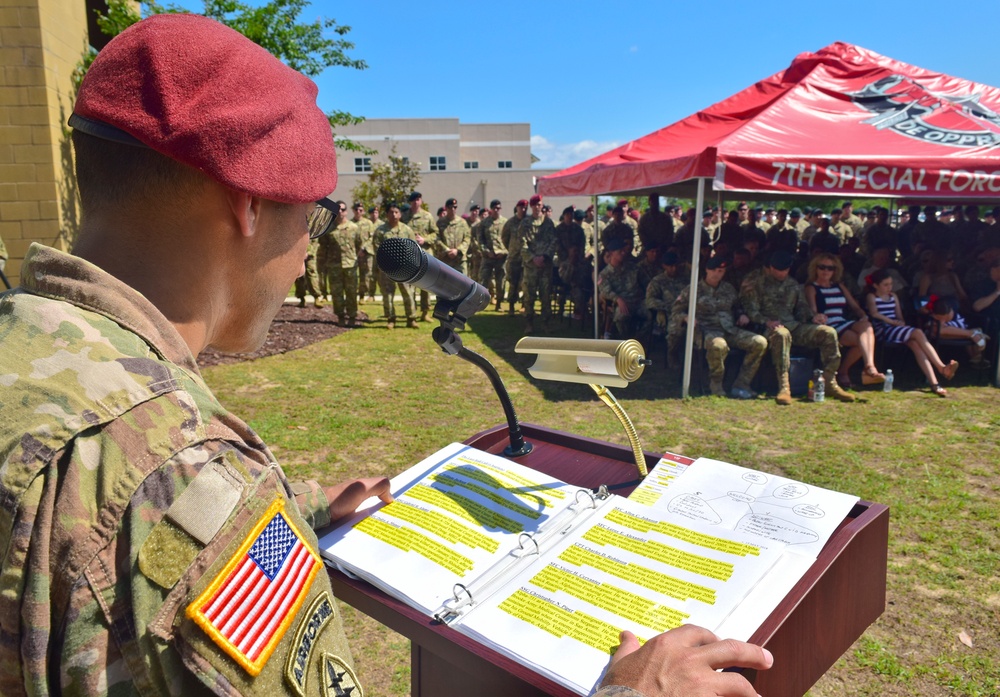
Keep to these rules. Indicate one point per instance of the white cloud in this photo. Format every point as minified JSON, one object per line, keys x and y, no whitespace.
{"x":554,"y":155}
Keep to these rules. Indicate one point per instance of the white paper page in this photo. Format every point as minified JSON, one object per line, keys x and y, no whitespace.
{"x":654,"y":486}
{"x":764,"y":506}
{"x":765,"y":596}
{"x":455,"y":514}
{"x":630,"y":568}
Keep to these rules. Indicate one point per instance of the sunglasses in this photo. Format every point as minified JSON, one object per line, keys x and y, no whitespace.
{"x":322,"y":217}
{"x":826,"y":267}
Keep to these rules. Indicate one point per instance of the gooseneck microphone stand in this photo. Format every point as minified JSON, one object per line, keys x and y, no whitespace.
{"x":447,"y":312}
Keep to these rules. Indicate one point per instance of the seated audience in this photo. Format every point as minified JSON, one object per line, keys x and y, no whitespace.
{"x":719,"y":329}
{"x":833,"y":305}
{"x":944,"y":322}
{"x":886,"y":314}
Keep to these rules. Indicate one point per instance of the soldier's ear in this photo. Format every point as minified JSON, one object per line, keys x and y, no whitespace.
{"x":246,"y":211}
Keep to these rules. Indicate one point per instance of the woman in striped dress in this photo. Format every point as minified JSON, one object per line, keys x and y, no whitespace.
{"x":884,"y":309}
{"x":832,"y":304}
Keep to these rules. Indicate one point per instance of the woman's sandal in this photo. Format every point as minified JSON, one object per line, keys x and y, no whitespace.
{"x":871,"y":377}
{"x":948,"y":372}
{"x":938,"y":390}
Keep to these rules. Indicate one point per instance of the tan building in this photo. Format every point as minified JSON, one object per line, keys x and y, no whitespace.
{"x":473,"y":162}
{"x":41,"y":43}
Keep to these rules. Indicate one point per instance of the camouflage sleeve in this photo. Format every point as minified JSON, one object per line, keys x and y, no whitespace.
{"x":654,"y":297}
{"x":751,"y":301}
{"x":724,"y":309}
{"x":438,"y":245}
{"x":606,"y":286}
{"x":802,"y":311}
{"x":678,"y":311}
{"x":312,"y":502}
{"x":463,"y":243}
{"x":548,"y":242}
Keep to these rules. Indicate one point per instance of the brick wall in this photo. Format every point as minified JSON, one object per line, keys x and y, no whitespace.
{"x":41,"y":42}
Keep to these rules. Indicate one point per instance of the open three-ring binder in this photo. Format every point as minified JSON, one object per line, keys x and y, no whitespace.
{"x":548,"y":574}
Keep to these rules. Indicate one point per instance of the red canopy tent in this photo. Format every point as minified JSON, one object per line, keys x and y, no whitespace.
{"x":843,"y":121}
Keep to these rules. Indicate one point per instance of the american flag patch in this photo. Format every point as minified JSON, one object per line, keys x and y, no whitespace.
{"x":247,"y":608}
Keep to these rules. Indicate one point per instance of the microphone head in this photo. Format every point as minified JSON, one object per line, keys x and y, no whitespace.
{"x":401,"y":259}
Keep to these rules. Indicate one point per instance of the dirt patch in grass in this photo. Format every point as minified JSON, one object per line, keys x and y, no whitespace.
{"x":293,"y":328}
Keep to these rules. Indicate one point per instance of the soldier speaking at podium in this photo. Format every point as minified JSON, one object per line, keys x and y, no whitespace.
{"x":151,"y":543}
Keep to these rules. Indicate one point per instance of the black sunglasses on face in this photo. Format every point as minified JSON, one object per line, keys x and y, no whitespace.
{"x":322,"y":217}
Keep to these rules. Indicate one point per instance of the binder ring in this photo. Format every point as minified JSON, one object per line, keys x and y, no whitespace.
{"x":590,"y":496}
{"x":531,"y":538}
{"x":457,"y":590}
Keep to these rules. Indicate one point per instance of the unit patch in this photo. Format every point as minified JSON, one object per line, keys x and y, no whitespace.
{"x":316,"y":618}
{"x":339,"y":679}
{"x":249,"y":606}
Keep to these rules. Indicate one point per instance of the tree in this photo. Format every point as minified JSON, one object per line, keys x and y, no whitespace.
{"x":389,"y":182}
{"x":274,"y":26}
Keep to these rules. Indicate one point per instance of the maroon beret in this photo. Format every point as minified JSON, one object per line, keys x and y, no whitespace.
{"x":203,"y":94}
{"x":535,"y":199}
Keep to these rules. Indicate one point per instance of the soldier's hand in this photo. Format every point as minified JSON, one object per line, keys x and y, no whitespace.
{"x":772,"y":324}
{"x":345,"y":497}
{"x":683,"y":663}
{"x":623,"y":306}
{"x":539,"y":261}
{"x":819,"y":318}
{"x":742,"y":321}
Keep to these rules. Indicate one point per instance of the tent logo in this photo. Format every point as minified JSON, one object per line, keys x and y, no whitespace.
{"x":903,"y":105}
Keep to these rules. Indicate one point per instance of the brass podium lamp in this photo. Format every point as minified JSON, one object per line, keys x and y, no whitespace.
{"x":594,"y":362}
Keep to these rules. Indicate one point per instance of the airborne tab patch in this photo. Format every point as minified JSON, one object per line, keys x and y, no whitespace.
{"x":249,"y":606}
{"x":317,"y":617}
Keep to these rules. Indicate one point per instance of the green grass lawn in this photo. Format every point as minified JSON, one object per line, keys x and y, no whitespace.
{"x":372,"y":402}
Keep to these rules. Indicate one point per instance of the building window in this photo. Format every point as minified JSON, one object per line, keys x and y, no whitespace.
{"x":438,"y":163}
{"x":505,"y":164}
{"x":472,"y":165}
{"x":362,"y":164}
{"x":406,"y":160}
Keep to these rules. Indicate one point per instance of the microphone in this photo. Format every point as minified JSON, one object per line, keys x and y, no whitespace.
{"x":403,"y":261}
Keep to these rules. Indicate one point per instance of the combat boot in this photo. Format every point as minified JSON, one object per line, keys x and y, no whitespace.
{"x":391,"y":324}
{"x":425,"y":316}
{"x":834,"y":390}
{"x":302,"y":302}
{"x":715,"y":387}
{"x":411,"y":323}
{"x":320,"y":302}
{"x":784,"y":396}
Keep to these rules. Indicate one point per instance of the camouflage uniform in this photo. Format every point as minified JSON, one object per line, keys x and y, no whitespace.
{"x":571,"y":264}
{"x":474,"y":254}
{"x":423,"y":225}
{"x":660,"y":295}
{"x":452,"y":234}
{"x":366,"y":274}
{"x":623,"y":283}
{"x":616,"y":231}
{"x":494,"y":253}
{"x":389,"y":286}
{"x":515,"y":270}
{"x":343,"y":243}
{"x":128,"y":490}
{"x":765,"y":298}
{"x":716,"y":329}
{"x":308,"y":283}
{"x":853,"y":222}
{"x":538,"y":239}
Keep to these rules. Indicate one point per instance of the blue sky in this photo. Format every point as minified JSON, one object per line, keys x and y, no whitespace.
{"x":589,"y":76}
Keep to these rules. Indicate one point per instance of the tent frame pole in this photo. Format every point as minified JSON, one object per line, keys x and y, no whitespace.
{"x":597,"y":255}
{"x":693,"y":293}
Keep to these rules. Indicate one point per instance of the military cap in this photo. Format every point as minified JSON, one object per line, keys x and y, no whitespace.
{"x":404,"y":208}
{"x":203,"y":94}
{"x":495,"y":203}
{"x":836,"y":211}
{"x":474,"y":207}
{"x":845,"y":204}
{"x":717,"y":262}
{"x":534,"y":199}
{"x":707,"y":214}
{"x":590,"y":208}
{"x":862,"y":211}
{"x":414,"y":195}
{"x":781,"y":260}
{"x":452,"y":202}
{"x":371,"y":209}
{"x":795,"y":213}
{"x":579,"y":214}
{"x":623,"y":202}
{"x":615,"y":243}
{"x":522,"y":202}
{"x":392,"y":204}
{"x":670,"y":259}
{"x":568,"y":209}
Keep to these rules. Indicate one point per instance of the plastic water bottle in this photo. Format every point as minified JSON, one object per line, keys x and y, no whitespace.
{"x":887,"y":385}
{"x":820,"y":393}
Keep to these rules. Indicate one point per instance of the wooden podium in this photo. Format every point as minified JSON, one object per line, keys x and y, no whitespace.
{"x":826,"y":611}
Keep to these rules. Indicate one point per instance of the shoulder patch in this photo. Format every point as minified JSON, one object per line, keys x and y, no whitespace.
{"x":338,"y":678}
{"x":316,"y":618}
{"x":249,"y":606}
